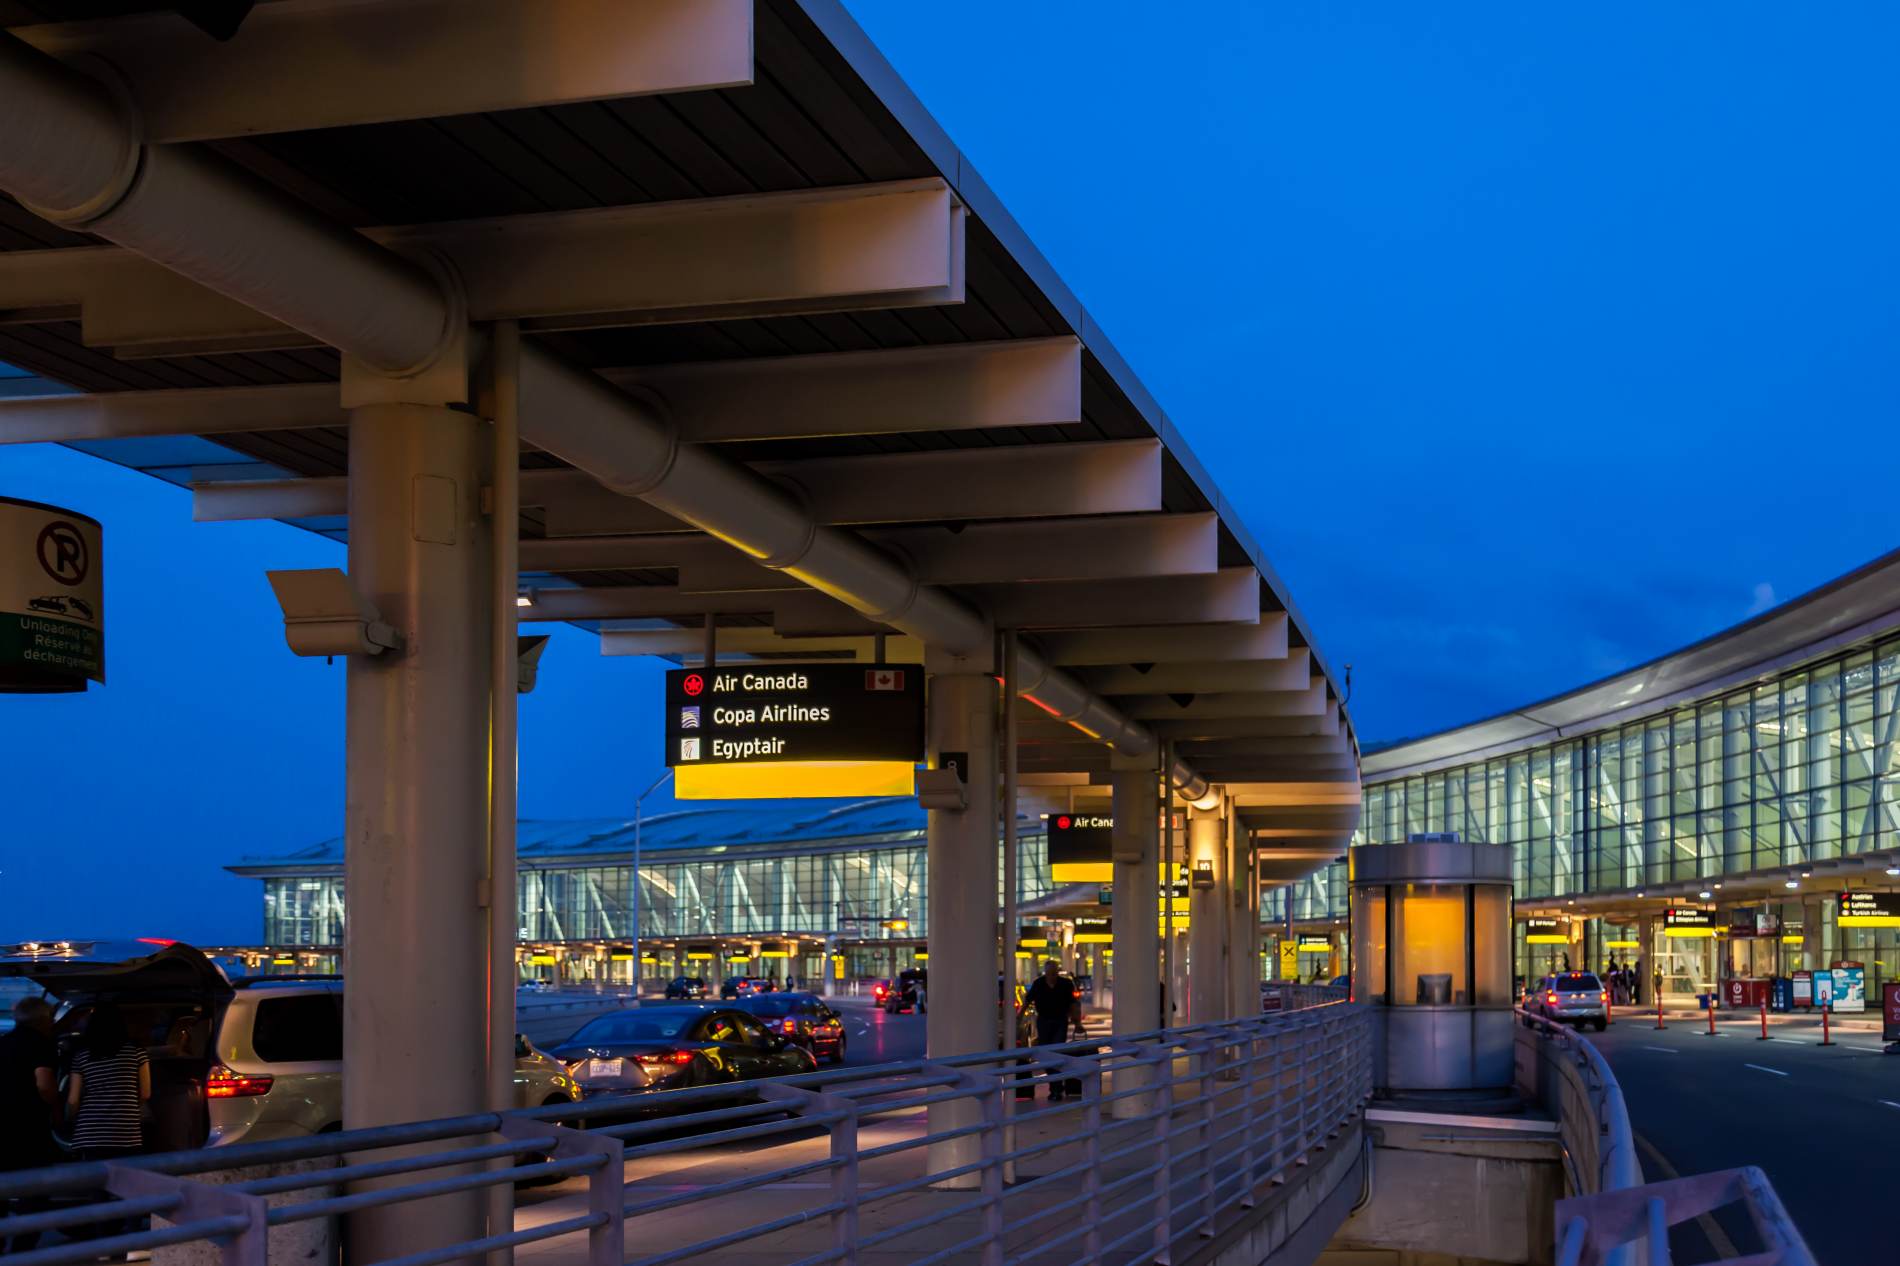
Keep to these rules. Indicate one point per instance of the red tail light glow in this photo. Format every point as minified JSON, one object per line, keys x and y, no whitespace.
{"x":1550,"y":999}
{"x":222,"y":1083}
{"x":1604,"y":996}
{"x":665,"y":1058}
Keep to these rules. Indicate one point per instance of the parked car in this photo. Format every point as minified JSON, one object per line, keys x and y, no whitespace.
{"x":1571,"y":997}
{"x":246,"y":1062}
{"x":804,"y":1018}
{"x":673,"y":1047}
{"x":740,"y":986}
{"x":880,"y":990}
{"x":687,"y":988}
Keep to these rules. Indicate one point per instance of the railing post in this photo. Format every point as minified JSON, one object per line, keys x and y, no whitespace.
{"x":994,"y":1140}
{"x":1090,"y":1073}
{"x":249,"y":1247}
{"x":1249,"y":1111}
{"x":606,"y":1184}
{"x":1160,"y":1114}
{"x":843,"y":1134}
{"x":1207,"y":1073}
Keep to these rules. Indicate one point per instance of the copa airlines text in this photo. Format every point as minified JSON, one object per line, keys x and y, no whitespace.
{"x":772,"y":714}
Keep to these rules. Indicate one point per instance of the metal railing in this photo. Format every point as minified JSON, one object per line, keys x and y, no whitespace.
{"x":1615,"y":1219}
{"x":1171,"y":1137}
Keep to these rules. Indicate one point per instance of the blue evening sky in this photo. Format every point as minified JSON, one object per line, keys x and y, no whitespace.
{"x":1531,"y":342}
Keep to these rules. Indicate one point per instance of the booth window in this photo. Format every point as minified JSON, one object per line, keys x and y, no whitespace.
{"x":1491,"y":955}
{"x":1368,"y":948}
{"x":1428,"y":933}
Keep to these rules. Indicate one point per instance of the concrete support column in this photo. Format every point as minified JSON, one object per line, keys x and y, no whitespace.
{"x":1813,"y":947}
{"x":1207,"y":918}
{"x":961,"y":856}
{"x":416,"y":811}
{"x":1243,"y":923}
{"x":1646,"y":933}
{"x":1137,"y":852}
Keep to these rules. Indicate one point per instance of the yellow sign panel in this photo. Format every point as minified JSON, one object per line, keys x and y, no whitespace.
{"x":786,"y":780}
{"x":1690,"y":934}
{"x":1082,"y":872}
{"x":1547,"y":938}
{"x":1622,"y":945}
{"x":1289,"y":960}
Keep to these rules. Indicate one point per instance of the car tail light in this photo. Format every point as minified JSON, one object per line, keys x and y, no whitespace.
{"x":1604,"y":996}
{"x":1550,"y":999}
{"x":877,"y":991}
{"x":664,"y":1058}
{"x":222,"y":1083}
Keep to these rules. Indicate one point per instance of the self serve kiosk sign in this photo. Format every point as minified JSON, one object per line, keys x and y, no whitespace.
{"x":802,"y":729}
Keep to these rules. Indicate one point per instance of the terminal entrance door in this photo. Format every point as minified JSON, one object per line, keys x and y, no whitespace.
{"x":1687,"y":965}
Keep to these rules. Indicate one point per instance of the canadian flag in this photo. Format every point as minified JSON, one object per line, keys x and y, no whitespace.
{"x":884,"y":679}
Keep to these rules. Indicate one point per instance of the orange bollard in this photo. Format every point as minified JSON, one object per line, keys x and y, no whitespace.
{"x":1764,"y":1021}
{"x":1825,"y":1040}
{"x":1659,"y":1013}
{"x":1711,"y":1032}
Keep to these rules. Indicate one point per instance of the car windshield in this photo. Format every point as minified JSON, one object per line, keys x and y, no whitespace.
{"x":1577,"y":981}
{"x":636,"y":1026}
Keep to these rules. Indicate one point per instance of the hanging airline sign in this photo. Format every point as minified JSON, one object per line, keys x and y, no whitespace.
{"x":768,"y":731}
{"x":52,"y":599}
{"x":1033,"y":936}
{"x":1867,"y":910}
{"x":1683,"y":922}
{"x":1080,"y":847}
{"x":1094,"y":931}
{"x":1791,"y":934}
{"x":1539,"y":930}
{"x":700,"y":952}
{"x":1314,"y":943}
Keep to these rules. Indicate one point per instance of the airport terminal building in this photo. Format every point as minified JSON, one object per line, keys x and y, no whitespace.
{"x":1752,"y":777}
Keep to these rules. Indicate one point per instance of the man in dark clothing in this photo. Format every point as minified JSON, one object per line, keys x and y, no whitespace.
{"x":29,"y":1100}
{"x":1057,"y":1008}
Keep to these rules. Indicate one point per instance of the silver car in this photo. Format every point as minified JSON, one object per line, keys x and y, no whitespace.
{"x":1571,"y":997}
{"x":278,"y":1070}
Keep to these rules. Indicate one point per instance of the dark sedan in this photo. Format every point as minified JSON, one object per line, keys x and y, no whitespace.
{"x":673,"y":1047}
{"x":804,"y":1018}
{"x":687,"y":988}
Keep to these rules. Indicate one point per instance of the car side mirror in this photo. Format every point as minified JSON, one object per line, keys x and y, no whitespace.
{"x":777,"y":1041}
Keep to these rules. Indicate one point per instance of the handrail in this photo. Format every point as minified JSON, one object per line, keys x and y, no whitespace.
{"x":1618,"y":1220}
{"x":1175,"y":1133}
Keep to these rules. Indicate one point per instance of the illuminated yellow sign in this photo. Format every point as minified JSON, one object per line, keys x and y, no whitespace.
{"x":786,"y":780}
{"x":1622,"y":945}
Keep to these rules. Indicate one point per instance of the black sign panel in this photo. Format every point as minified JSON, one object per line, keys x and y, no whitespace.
{"x":1079,"y":838}
{"x":1314,"y":942}
{"x":1684,"y":917}
{"x":1538,"y":923}
{"x":758,"y":713}
{"x":1867,"y":909}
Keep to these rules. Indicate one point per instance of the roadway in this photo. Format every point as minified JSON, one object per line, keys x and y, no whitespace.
{"x":871,"y":1036}
{"x":1822,"y":1122}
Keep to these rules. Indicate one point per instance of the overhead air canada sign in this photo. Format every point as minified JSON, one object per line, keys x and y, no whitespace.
{"x":52,"y":599}
{"x":1080,"y":848}
{"x":766,"y":713}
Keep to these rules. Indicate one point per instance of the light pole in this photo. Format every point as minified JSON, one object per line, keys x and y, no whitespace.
{"x":639,"y":805}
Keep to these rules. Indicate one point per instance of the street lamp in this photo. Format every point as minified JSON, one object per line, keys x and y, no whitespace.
{"x":638,"y":805}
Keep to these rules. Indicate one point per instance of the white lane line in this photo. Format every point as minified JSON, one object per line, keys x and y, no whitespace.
{"x":1667,"y":1050}
{"x":1724,"y":1247}
{"x":1758,"y":1068}
{"x":1792,"y":1041}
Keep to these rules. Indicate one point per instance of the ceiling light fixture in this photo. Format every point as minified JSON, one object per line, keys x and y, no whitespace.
{"x":1791,"y":884}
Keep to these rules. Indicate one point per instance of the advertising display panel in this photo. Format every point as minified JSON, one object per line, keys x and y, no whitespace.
{"x":1850,"y":987}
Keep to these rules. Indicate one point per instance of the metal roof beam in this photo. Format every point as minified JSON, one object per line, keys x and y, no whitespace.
{"x":1165,"y":645}
{"x":1325,"y":724}
{"x":1241,"y":703}
{"x":1116,"y":477}
{"x":965,"y":386}
{"x":811,"y":250}
{"x":958,"y":387}
{"x":898,"y":649}
{"x":1231,"y":595}
{"x":1207,"y":677}
{"x":1113,"y":547}
{"x":280,"y":72}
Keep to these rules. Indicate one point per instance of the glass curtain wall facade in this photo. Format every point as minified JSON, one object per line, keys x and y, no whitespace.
{"x":1799,"y":769}
{"x":733,"y":894}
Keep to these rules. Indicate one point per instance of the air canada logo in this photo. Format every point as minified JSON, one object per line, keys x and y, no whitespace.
{"x":694,"y":685}
{"x":1064,"y":822}
{"x":62,"y":553}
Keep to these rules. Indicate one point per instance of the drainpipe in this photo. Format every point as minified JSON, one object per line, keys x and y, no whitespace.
{"x":72,"y":153}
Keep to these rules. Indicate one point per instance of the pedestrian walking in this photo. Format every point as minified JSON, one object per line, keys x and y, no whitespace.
{"x":29,"y":1102}
{"x":111,"y":1082}
{"x":1058,"y":1008}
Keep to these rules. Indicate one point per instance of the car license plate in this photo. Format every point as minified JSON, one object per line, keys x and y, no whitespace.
{"x":605,"y":1067}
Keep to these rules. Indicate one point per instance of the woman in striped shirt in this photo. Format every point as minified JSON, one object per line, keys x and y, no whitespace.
{"x":106,"y":1092}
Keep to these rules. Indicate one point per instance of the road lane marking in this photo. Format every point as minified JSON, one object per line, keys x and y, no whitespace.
{"x":1792,"y":1041}
{"x":1758,"y":1068}
{"x":1667,"y":1050}
{"x":1718,"y":1240}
